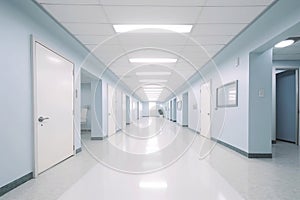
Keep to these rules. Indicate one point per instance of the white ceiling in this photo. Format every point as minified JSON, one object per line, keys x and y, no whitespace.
{"x":215,"y":24}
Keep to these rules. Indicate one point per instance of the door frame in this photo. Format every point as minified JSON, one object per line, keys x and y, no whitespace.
{"x":297,"y":75}
{"x":210,"y":107}
{"x":34,"y":40}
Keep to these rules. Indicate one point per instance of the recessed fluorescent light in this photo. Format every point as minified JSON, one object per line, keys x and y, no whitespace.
{"x":153,"y":60}
{"x":152,"y":86}
{"x":284,"y":43}
{"x":153,"y":81}
{"x":153,"y":89}
{"x":152,"y":73}
{"x":153,"y":94}
{"x":153,"y":185}
{"x":54,"y":59}
{"x":121,"y":28}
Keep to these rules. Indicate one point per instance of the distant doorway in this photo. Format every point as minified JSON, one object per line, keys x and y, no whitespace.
{"x":287,"y":105}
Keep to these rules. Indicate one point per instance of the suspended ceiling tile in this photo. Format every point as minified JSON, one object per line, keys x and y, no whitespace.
{"x":155,"y":2}
{"x":77,"y":13}
{"x":151,"y":15}
{"x":238,"y":2}
{"x":97,"y":39}
{"x":217,"y":29}
{"x":152,"y":52}
{"x":89,"y":29}
{"x":229,"y":14}
{"x":210,"y":40}
{"x":95,"y":2}
{"x":108,"y":53}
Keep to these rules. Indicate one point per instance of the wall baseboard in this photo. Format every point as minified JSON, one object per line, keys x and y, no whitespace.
{"x":98,"y":138}
{"x":127,"y":123}
{"x":259,"y":155}
{"x":286,"y":141}
{"x":273,"y":141}
{"x":248,"y":155}
{"x":174,"y":120}
{"x":185,"y":126}
{"x":78,"y":150}
{"x":12,"y":185}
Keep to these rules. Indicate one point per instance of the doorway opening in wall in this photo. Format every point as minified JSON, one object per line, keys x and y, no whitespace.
{"x":88,"y":82}
{"x":153,"y":112}
{"x":85,"y":107}
{"x":287,"y":105}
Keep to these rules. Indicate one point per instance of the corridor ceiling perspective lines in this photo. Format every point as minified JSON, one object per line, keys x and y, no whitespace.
{"x":214,"y":24}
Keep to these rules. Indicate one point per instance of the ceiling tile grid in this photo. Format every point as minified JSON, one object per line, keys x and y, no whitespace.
{"x":215,"y":23}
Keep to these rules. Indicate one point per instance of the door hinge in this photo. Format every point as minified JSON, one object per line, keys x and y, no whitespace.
{"x":73,"y":147}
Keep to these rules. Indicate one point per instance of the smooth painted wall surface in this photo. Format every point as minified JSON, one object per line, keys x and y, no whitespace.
{"x":86,"y":102}
{"x":260,"y":102}
{"x":96,"y":109}
{"x":23,"y":18}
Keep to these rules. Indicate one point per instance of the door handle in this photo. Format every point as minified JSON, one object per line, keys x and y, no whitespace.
{"x":41,"y":119}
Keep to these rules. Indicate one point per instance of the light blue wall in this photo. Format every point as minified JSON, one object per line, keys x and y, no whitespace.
{"x":260,"y":106}
{"x":96,"y":109}
{"x":18,"y":20}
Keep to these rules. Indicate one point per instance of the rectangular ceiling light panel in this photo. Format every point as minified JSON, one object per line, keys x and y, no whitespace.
{"x":122,"y":28}
{"x":153,"y":81}
{"x":153,"y":60}
{"x":153,"y":73}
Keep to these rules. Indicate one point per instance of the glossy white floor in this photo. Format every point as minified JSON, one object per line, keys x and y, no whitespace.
{"x":157,"y":159}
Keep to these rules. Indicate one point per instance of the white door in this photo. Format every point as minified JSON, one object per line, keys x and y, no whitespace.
{"x":111,"y":103}
{"x":123,"y":111}
{"x":205,"y":109}
{"x":53,"y":108}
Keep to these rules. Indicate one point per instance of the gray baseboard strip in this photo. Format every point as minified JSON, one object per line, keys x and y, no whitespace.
{"x":78,"y":150}
{"x":184,"y":125}
{"x":248,"y":155}
{"x":127,"y":123}
{"x":259,"y":155}
{"x":273,"y":141}
{"x":193,"y":130}
{"x":12,"y":185}
{"x":98,"y":138}
{"x":174,"y":120}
